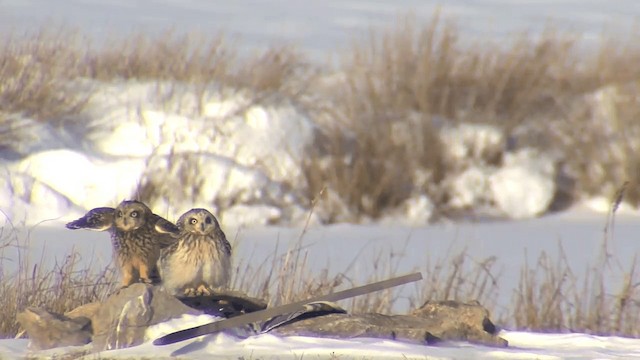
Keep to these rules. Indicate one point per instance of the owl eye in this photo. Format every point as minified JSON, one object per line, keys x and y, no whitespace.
{"x":134,"y":214}
{"x":193,"y":221}
{"x":207,"y":220}
{"x":119,"y":214}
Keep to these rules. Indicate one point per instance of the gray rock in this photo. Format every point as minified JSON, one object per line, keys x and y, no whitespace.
{"x":454,"y":320}
{"x":345,"y":326}
{"x":48,"y":330}
{"x":123,"y":318}
{"x":431,"y":323}
{"x":87,"y":310}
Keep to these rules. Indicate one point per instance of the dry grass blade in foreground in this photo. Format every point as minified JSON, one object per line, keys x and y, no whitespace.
{"x":460,"y":277}
{"x":57,"y":287}
{"x":283,"y":278}
{"x":550,"y":297}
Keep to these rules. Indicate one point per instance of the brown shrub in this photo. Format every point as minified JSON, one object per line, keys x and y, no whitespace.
{"x":36,"y":71}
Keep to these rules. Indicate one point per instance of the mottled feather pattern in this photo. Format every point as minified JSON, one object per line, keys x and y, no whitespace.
{"x":98,"y":219}
{"x":134,"y":243}
{"x":215,"y":232}
{"x":200,"y":259}
{"x":167,"y":231}
{"x":137,"y":235}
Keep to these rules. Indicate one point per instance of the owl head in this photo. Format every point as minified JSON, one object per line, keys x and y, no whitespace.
{"x":199,"y":221}
{"x":131,"y":215}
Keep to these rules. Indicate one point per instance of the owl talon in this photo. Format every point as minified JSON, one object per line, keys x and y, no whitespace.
{"x":203,"y":290}
{"x":190,"y":292}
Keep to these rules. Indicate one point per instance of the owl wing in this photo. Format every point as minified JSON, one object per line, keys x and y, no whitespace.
{"x":98,"y":219}
{"x":167,"y":230}
{"x":225,"y":242}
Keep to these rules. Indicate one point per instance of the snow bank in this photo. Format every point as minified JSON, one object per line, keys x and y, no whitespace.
{"x":222,"y":150}
{"x":219,"y":149}
{"x":518,"y":184}
{"x":525,"y":185}
{"x":523,"y":345}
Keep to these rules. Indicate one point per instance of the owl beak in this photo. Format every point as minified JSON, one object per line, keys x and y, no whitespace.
{"x":125,"y":222}
{"x":202,"y":227}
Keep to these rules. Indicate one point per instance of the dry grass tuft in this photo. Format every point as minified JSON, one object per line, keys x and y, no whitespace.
{"x":371,"y":171}
{"x":60,"y":288}
{"x":460,"y":277}
{"x":35,"y":73}
{"x":168,"y":56}
{"x":550,"y":297}
{"x":413,"y":69}
{"x":283,"y":278}
{"x":397,"y":89}
{"x":38,"y":69}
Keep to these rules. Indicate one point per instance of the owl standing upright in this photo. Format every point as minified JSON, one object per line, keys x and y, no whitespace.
{"x":200,"y":260}
{"x":137,"y":236}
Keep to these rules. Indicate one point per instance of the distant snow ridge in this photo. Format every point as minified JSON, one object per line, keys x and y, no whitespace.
{"x":221,"y":150}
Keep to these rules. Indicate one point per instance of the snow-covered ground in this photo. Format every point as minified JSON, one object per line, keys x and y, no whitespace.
{"x":522,"y":346}
{"x":59,"y":173}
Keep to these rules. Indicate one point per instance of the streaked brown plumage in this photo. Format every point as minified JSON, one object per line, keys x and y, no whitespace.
{"x":98,"y":219}
{"x":137,"y":235}
{"x":200,"y":261}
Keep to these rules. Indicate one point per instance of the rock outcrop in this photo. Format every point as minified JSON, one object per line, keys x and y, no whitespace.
{"x":47,"y":330}
{"x":431,"y":323}
{"x":453,"y":320}
{"x":122,"y":320}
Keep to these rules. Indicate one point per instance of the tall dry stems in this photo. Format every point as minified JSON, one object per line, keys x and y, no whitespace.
{"x":59,"y":287}
{"x":551,"y":297}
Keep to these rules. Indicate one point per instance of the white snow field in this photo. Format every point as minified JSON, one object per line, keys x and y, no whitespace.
{"x":56,"y":174}
{"x":222,"y":346}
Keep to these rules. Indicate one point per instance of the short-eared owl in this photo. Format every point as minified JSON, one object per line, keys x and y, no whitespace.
{"x":137,"y":235}
{"x":200,"y":260}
